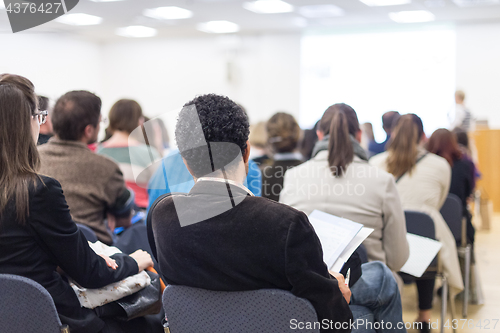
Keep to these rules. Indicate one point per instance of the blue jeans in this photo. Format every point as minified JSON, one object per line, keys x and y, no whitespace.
{"x":376,"y":296}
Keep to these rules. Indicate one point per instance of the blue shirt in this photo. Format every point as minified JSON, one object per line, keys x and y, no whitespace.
{"x":173,"y":176}
{"x":375,"y":148}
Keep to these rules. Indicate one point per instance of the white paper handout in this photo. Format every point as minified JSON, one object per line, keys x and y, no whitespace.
{"x":349,"y":250}
{"x":422,"y":251}
{"x":338,"y":237}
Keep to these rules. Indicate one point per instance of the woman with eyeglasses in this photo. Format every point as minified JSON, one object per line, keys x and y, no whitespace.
{"x":38,"y":238}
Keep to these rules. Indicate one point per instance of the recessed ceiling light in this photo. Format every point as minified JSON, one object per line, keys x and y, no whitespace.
{"x":373,"y":3}
{"x":413,"y":16}
{"x":168,"y":13}
{"x":79,"y":19}
{"x":136,"y":31}
{"x":321,"y":11}
{"x":470,"y":3}
{"x":218,"y":27}
{"x":268,"y":6}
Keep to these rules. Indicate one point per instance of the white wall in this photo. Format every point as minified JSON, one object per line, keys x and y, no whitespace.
{"x":478,"y":69}
{"x":54,"y":63}
{"x":164,"y":74}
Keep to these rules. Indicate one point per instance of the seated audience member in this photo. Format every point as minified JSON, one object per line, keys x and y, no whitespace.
{"x":338,"y":180}
{"x":157,"y":135}
{"x":172,"y":176}
{"x":258,"y":144}
{"x":423,"y":182}
{"x":314,"y":185}
{"x":464,"y":146}
{"x":38,"y":235}
{"x":46,"y":131}
{"x":220,"y":236}
{"x":132,"y":157}
{"x":366,"y":135}
{"x":283,"y":134}
{"x":93,"y":184}
{"x":389,"y":119}
{"x":309,"y":139}
{"x":444,"y":143}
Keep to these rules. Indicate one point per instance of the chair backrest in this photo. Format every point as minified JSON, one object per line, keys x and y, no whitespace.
{"x":267,"y":310}
{"x":87,"y":232}
{"x":420,"y":224}
{"x":452,"y":214}
{"x":26,"y":306}
{"x":363,"y":254}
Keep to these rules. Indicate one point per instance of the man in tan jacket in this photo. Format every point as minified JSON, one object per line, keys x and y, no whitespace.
{"x":93,"y":185}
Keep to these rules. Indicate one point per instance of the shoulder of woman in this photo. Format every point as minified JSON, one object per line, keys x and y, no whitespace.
{"x":438,"y":161}
{"x":379,"y":160}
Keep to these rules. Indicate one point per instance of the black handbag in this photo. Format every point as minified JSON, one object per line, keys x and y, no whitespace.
{"x":146,"y":301}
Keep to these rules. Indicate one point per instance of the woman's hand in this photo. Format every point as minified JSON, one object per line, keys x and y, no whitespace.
{"x":110,"y":262}
{"x":344,"y":288}
{"x":143,"y":259}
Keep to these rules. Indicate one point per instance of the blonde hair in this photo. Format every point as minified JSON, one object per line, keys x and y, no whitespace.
{"x":403,"y":147}
{"x":258,"y":135}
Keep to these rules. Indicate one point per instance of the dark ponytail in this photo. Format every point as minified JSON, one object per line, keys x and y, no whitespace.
{"x":340,"y":122}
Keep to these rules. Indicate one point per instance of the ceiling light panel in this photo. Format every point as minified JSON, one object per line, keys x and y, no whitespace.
{"x":472,"y":3}
{"x":218,"y":27}
{"x":268,"y":6}
{"x":136,"y":31}
{"x":374,"y":3}
{"x":316,"y":11}
{"x":413,"y":16}
{"x":168,"y":13}
{"x":79,"y":19}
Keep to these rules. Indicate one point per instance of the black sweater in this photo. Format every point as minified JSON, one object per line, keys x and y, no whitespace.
{"x":50,"y":239}
{"x":258,"y":244}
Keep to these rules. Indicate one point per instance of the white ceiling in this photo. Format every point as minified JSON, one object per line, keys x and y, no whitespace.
{"x":129,"y":12}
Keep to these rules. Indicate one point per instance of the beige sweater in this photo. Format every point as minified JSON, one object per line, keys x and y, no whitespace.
{"x":91,"y":183}
{"x":364,"y":194}
{"x":425,"y":190}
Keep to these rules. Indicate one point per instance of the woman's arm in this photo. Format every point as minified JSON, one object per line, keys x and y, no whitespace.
{"x":58,"y":234}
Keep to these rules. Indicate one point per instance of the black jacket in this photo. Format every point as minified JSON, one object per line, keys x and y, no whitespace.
{"x":50,"y":239}
{"x":462,"y":185}
{"x":249,"y":243}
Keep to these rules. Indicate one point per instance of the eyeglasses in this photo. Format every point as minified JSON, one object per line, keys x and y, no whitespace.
{"x":41,"y":116}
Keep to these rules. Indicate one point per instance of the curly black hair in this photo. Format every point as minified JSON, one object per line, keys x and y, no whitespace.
{"x":225,"y":129}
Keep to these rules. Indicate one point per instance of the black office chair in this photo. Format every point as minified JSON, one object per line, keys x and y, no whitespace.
{"x":452,"y":212}
{"x":26,"y":306}
{"x":422,"y":224}
{"x":267,"y":310}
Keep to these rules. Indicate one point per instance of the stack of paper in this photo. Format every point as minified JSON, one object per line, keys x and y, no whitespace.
{"x":339,"y":237}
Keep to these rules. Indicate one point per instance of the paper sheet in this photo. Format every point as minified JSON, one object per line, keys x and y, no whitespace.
{"x":422,"y":251}
{"x":334,"y":233}
{"x":349,"y":250}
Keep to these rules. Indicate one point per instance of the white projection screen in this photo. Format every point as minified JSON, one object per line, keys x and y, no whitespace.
{"x":410,"y":71}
